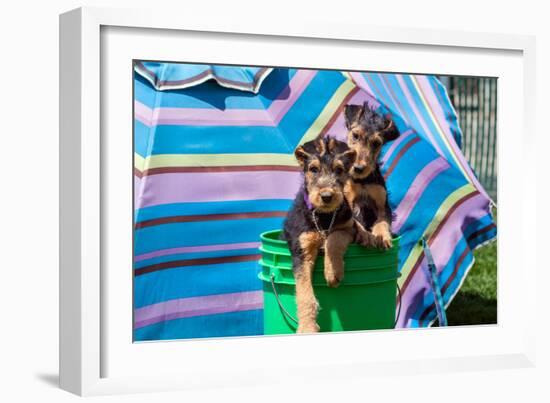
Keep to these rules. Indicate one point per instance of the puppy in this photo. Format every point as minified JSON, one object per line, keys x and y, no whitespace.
{"x":366,"y":190}
{"x":319,"y":218}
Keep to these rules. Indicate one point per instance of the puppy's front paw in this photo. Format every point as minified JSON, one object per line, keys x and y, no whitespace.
{"x":383,"y":242}
{"x":366,"y":239}
{"x":333,"y":279}
{"x":383,"y":236}
{"x":308,"y":327}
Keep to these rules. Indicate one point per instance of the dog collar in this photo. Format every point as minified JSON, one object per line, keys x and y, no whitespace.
{"x":324,"y":232}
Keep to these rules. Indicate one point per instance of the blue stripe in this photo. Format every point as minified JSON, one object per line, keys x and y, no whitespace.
{"x":380,"y":91}
{"x":425,"y":209}
{"x":178,"y":139}
{"x":309,"y":106}
{"x":194,"y":281}
{"x":420,"y":106}
{"x":144,"y":91}
{"x":195,"y":255}
{"x":222,"y":207}
{"x":411,"y":163}
{"x":477,"y":225}
{"x":423,"y":144}
{"x":449,"y":112}
{"x":482,"y":238}
{"x":142,"y":135}
{"x":167,"y":236}
{"x":243,"y":323}
{"x":405,"y":106}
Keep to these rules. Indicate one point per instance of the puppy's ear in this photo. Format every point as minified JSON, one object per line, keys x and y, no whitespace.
{"x":301,"y":156}
{"x":390,"y":132}
{"x":348,"y":158}
{"x":352,"y":114}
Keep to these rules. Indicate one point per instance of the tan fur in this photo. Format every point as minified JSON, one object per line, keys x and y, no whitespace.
{"x":352,"y":192}
{"x":364,"y":237}
{"x":301,"y":155}
{"x":367,"y":154}
{"x":337,"y":164}
{"x":331,"y":144}
{"x":335,"y":247}
{"x":320,"y":146}
{"x":315,"y":198}
{"x":307,"y":305}
{"x":381,"y":227}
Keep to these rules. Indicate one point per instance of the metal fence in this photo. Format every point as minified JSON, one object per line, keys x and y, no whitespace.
{"x":475,"y":100}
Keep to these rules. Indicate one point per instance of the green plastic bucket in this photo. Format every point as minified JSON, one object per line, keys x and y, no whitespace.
{"x":365,"y":300}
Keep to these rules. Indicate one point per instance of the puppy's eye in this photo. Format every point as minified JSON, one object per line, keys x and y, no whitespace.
{"x":376,"y":143}
{"x":338,"y":170}
{"x":355,"y":136}
{"x":314,"y":169}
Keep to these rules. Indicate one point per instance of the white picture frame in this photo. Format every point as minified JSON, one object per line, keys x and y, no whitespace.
{"x":96,"y":354}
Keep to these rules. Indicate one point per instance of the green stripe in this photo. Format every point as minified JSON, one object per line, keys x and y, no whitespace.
{"x":208,"y":160}
{"x":328,"y":111}
{"x":449,"y":202}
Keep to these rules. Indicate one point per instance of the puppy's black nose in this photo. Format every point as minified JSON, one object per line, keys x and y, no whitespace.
{"x":358,"y":169}
{"x":326,"y":197}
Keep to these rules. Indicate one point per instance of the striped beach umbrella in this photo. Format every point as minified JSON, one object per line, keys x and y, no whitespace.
{"x":214,"y":168}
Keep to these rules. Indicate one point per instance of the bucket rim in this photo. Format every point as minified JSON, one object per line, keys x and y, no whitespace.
{"x":282,"y":243}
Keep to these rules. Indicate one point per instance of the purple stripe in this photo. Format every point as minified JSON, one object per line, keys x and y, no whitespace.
{"x":137,"y":190}
{"x":205,"y":117}
{"x":419,"y":116}
{"x":143,"y":113}
{"x":416,"y":190}
{"x":361,"y":82}
{"x":399,"y":110}
{"x":433,"y":103}
{"x":443,"y":247}
{"x":193,"y":249}
{"x":435,"y":106}
{"x":197,"y":306}
{"x":218,"y":186}
{"x":391,"y":149}
{"x":229,"y":117}
{"x":297,"y":86}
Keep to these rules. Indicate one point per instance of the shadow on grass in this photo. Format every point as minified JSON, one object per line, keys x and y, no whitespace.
{"x":472,"y":309}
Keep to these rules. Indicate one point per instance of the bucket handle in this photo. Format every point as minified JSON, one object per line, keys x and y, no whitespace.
{"x":289,"y":316}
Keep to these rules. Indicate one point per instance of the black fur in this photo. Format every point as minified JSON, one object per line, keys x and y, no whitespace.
{"x":299,"y":218}
{"x":371,"y":121}
{"x":366,"y":214}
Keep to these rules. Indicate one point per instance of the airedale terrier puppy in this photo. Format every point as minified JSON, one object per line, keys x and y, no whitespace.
{"x":320,"y":218}
{"x":366,"y":188}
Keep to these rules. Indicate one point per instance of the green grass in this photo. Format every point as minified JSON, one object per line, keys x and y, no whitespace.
{"x":476,"y":302}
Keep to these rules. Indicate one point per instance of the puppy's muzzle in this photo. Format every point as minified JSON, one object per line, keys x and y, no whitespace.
{"x":326,"y":197}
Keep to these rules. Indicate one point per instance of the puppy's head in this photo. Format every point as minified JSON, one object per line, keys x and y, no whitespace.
{"x":326,"y":163}
{"x":367,"y":132}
